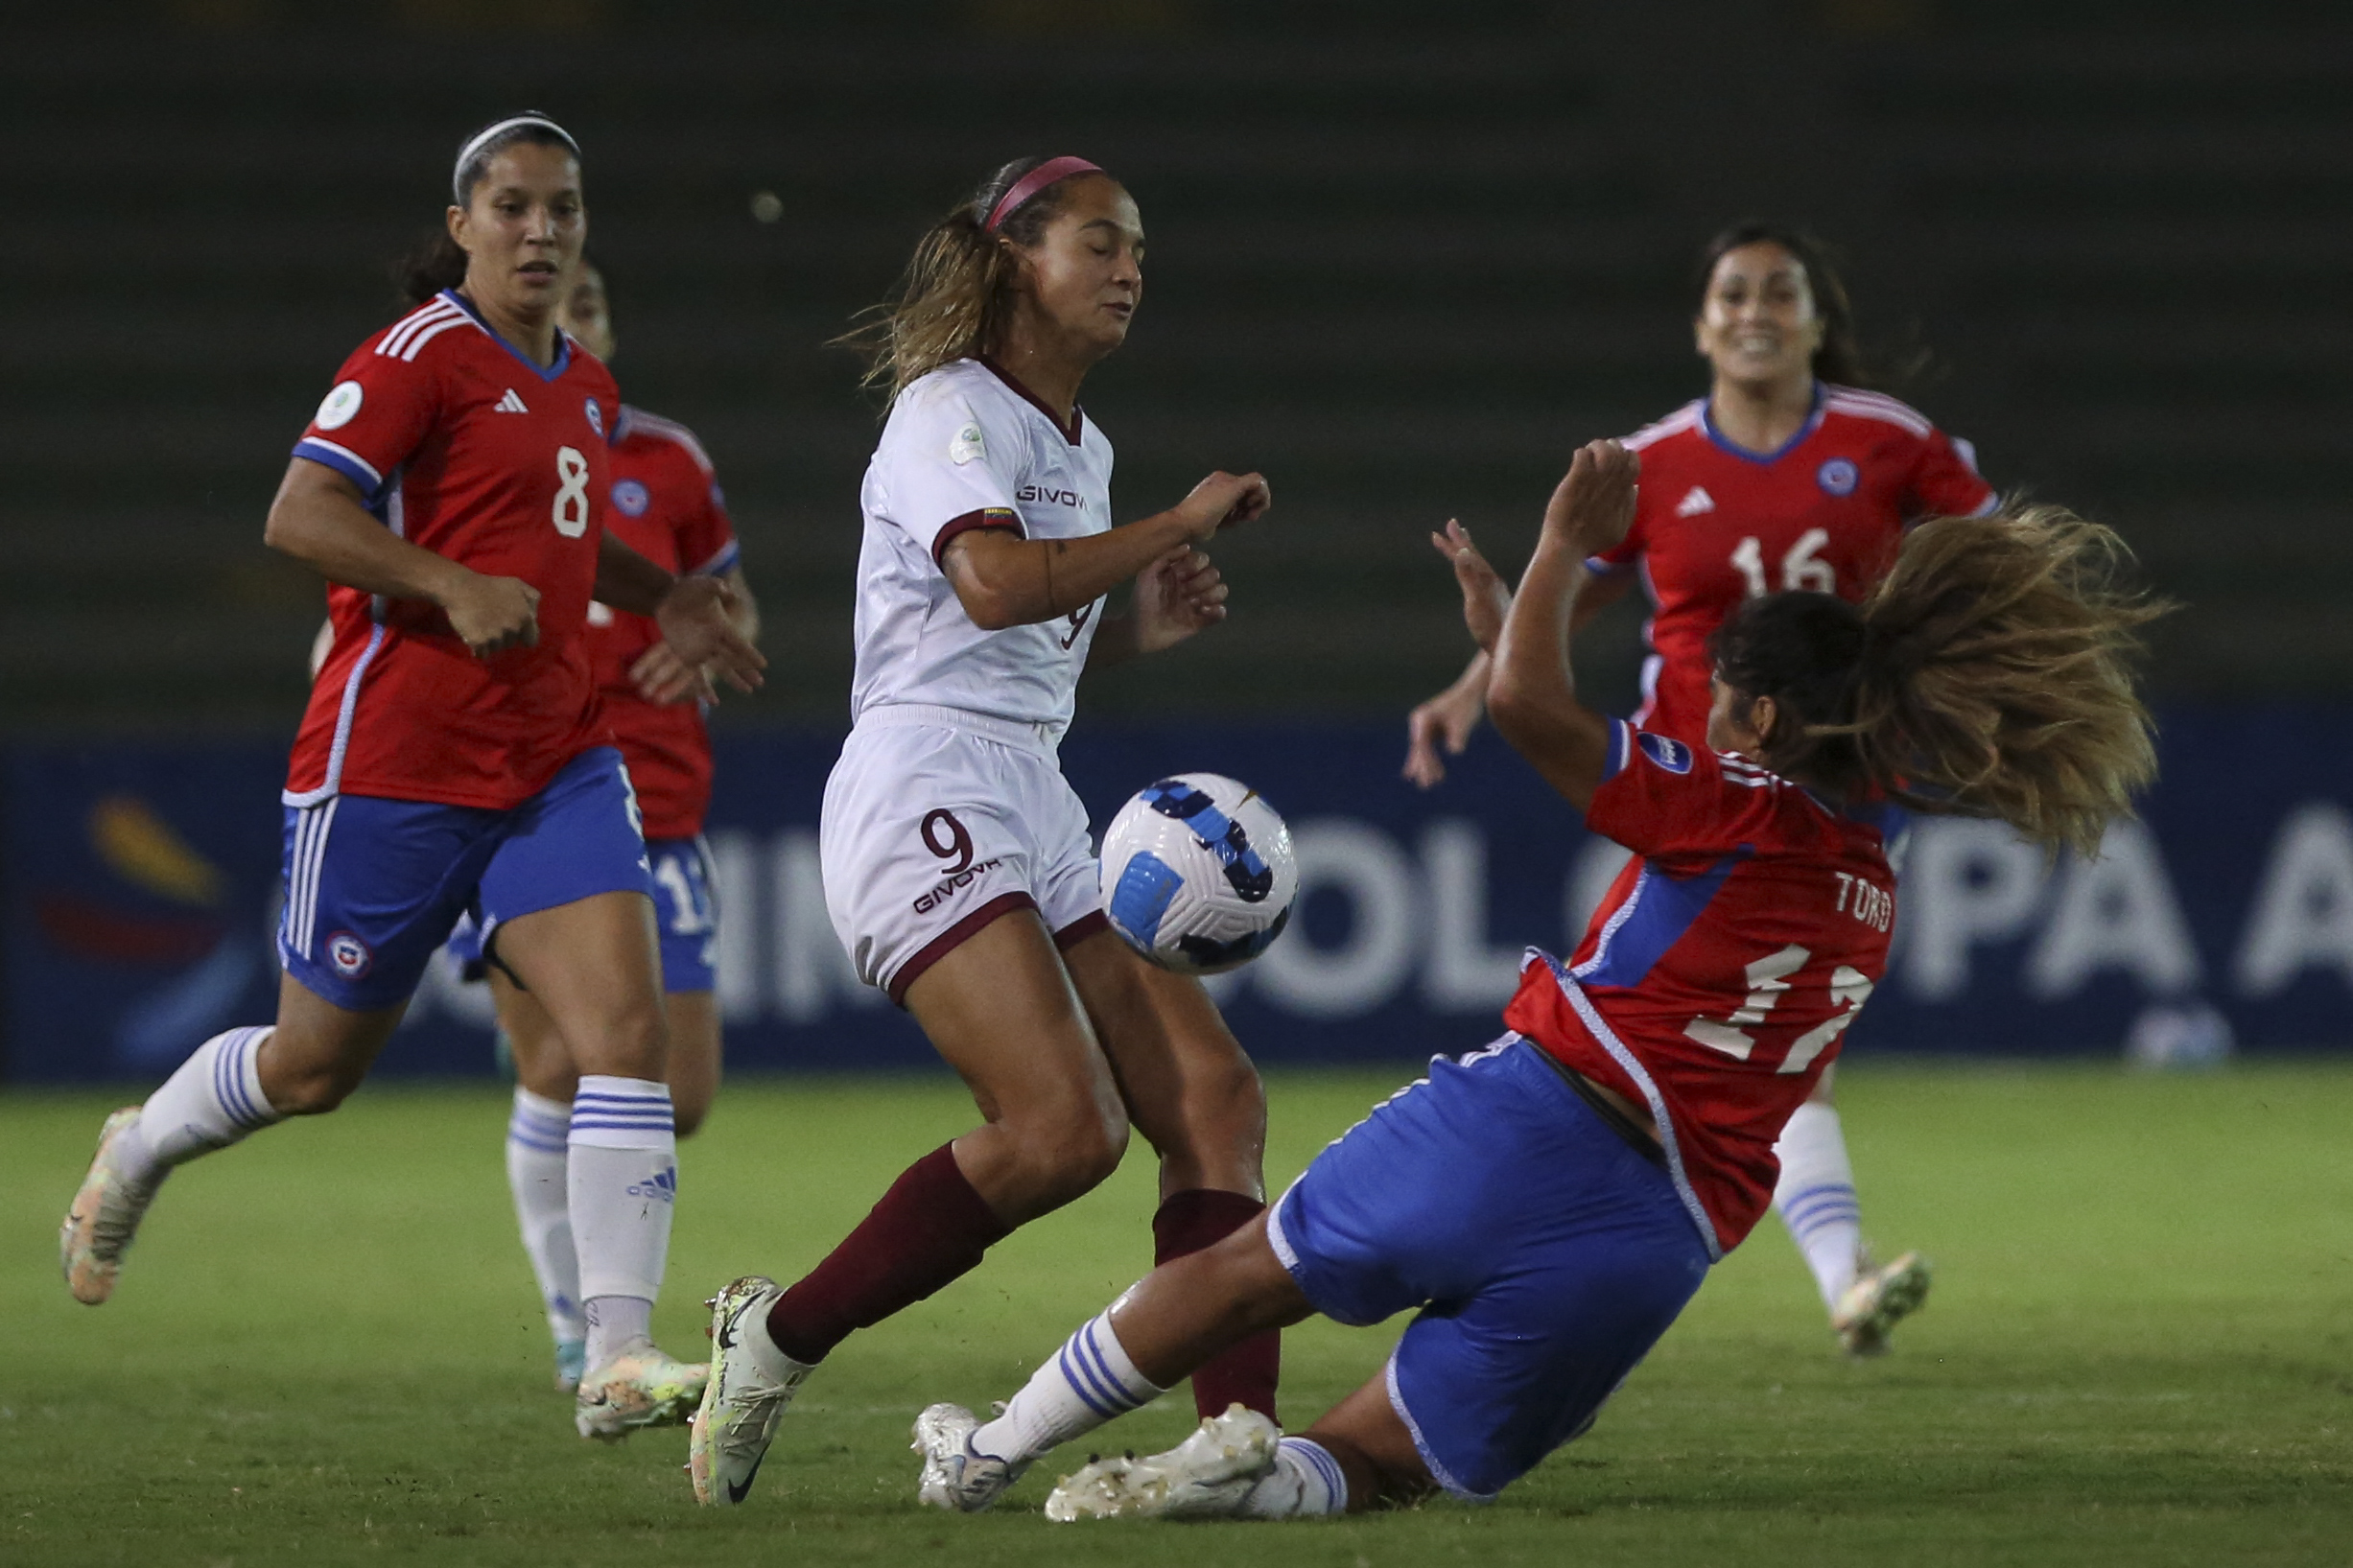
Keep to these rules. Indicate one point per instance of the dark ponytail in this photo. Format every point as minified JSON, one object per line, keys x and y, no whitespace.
{"x":435,"y":265}
{"x":1840,"y":359}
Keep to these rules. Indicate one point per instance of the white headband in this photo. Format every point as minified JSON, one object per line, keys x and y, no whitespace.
{"x":482,"y":138}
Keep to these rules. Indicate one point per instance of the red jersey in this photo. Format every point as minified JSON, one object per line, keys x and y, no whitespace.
{"x":463,"y":447}
{"x":667,"y":507}
{"x":1717,"y":975}
{"x":1714,"y":525}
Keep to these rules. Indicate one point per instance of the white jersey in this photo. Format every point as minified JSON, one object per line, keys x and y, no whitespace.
{"x":966,"y":447}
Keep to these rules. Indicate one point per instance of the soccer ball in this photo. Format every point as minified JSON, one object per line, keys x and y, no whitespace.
{"x":1198,"y":874}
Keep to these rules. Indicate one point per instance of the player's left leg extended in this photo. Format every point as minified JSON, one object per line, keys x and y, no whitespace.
{"x":546,"y":1081}
{"x":1195,"y":1097}
{"x":1549,"y":1255}
{"x":568,"y":911}
{"x":1816,"y":1199}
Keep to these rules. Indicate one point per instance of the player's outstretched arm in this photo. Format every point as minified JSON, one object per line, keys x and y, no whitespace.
{"x":1006,"y":581}
{"x":1446,"y":722}
{"x":319,"y":518}
{"x":1532,"y":694}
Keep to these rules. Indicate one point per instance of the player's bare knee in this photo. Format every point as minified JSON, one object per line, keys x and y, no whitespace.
{"x":309,"y":1089}
{"x":1073,"y":1153}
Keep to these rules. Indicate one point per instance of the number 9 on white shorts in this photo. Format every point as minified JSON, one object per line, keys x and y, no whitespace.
{"x":938,"y":823}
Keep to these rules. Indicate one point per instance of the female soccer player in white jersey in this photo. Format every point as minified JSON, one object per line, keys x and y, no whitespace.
{"x":1787,"y":475}
{"x":454,"y":758}
{"x":957,"y":867}
{"x":1548,"y":1205}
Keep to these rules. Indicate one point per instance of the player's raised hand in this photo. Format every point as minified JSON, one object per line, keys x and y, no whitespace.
{"x":1486,"y":599}
{"x":492,"y":614}
{"x":697,"y":620}
{"x":1223,"y":500}
{"x":1592,"y":506}
{"x":1176,"y":597}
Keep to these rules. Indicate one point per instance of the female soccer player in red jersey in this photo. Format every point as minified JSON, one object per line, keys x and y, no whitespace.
{"x":664,"y":503}
{"x":958,"y":866}
{"x":454,"y":758}
{"x":1548,"y":1205}
{"x":1787,"y":475}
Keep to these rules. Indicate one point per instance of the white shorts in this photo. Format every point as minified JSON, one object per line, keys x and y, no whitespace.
{"x":937,"y":822}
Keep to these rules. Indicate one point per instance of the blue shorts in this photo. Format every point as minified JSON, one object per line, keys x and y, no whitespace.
{"x":373,"y":886}
{"x":685,"y":912}
{"x":1546,"y":1256}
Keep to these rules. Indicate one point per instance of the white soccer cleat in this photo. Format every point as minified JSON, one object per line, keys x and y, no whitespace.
{"x":105,"y":1216}
{"x":1204,"y":1476}
{"x":953,"y":1476}
{"x":1877,"y":1301}
{"x":731,"y":1433}
{"x":642,"y":1387}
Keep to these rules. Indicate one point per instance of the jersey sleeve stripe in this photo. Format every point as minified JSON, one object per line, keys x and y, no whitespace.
{"x":1621,"y":742}
{"x":1674,"y":424}
{"x":642,"y":423}
{"x":729,"y":558}
{"x":1885,"y":409}
{"x":344,"y":461}
{"x":414,"y":321}
{"x":417,"y":343}
{"x":988,"y":517}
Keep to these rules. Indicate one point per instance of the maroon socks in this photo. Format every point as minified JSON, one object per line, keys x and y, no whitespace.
{"x":1246,"y":1373}
{"x":929,"y":1227}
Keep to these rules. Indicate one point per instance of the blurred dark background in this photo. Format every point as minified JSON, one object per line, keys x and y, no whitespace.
{"x":1402,"y":258}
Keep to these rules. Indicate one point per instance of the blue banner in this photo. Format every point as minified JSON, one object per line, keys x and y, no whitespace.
{"x":141,"y":889}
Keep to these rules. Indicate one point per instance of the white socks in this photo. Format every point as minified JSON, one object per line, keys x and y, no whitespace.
{"x":214,"y":1100}
{"x":1816,"y":1199}
{"x":536,"y":1135}
{"x":1306,"y":1482}
{"x":1089,"y":1381}
{"x":622,"y":1178}
{"x":615,"y":1324}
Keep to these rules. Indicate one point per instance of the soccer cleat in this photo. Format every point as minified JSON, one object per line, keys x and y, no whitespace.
{"x":1877,"y":1301}
{"x":570,"y":1365}
{"x":1204,"y":1476}
{"x":105,"y":1216}
{"x":731,"y":1431}
{"x":954,"y":1475}
{"x":642,"y":1387}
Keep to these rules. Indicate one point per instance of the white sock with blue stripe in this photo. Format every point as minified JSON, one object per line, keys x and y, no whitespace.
{"x":1816,"y":1199}
{"x":1088,"y":1382}
{"x":622,"y":1176}
{"x":538,"y":1174}
{"x":1306,"y":1482}
{"x":214,"y":1100}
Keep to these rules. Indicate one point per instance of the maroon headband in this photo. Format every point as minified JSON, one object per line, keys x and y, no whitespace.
{"x":1032,"y":182}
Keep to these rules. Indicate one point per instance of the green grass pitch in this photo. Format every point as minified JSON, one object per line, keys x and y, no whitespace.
{"x":327,"y":1349}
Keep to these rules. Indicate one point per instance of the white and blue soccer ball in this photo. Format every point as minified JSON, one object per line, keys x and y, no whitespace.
{"x":1198,"y":874}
